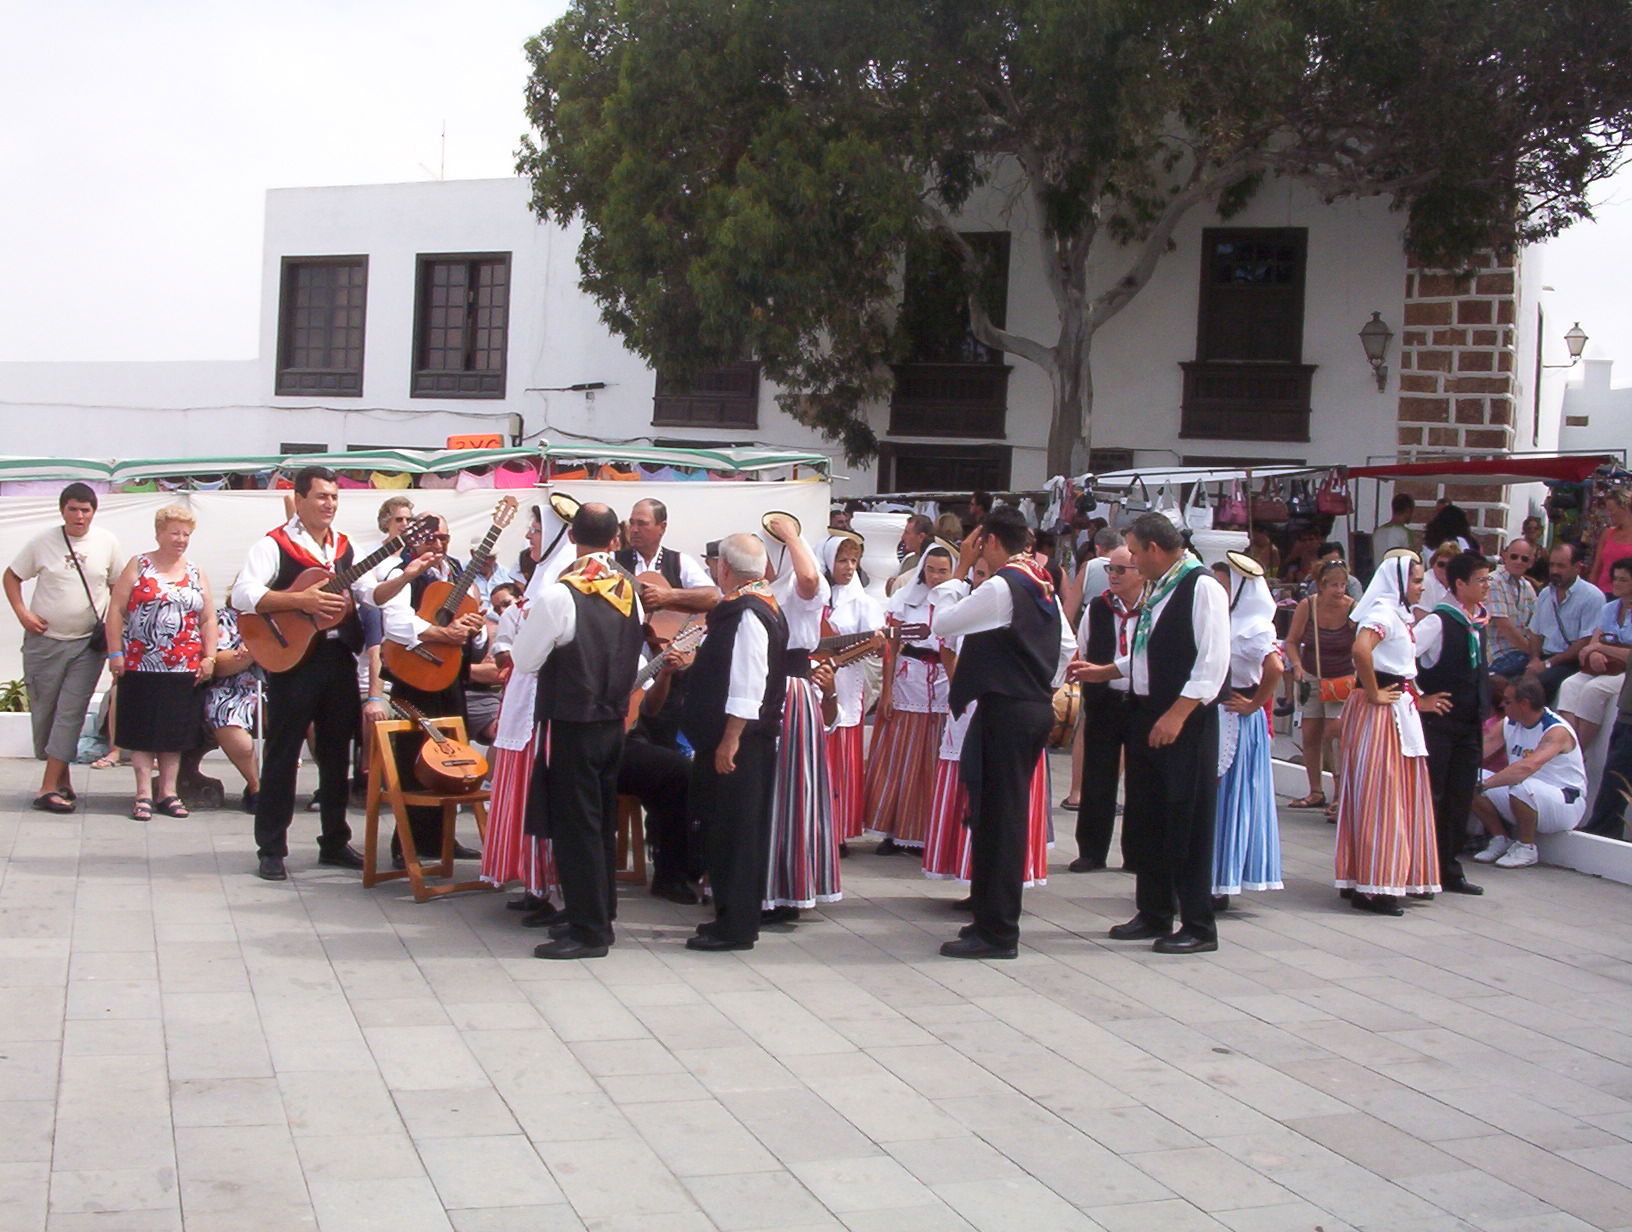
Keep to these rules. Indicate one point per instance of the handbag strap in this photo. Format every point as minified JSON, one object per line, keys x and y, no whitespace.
{"x":74,"y":556}
{"x":1314,"y":619}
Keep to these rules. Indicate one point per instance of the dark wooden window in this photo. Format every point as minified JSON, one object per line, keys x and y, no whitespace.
{"x":1109,"y":461}
{"x":725,"y":397}
{"x":461,"y":326}
{"x":1248,"y":381}
{"x":942,"y":468}
{"x":321,"y":308}
{"x":289,"y":447}
{"x":951,"y":384}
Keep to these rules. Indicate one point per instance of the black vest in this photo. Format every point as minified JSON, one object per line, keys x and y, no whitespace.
{"x":1170,"y":654}
{"x":1101,"y":648}
{"x":668,"y":564}
{"x":709,"y":680}
{"x":1018,"y":660}
{"x":1454,"y":674}
{"x":350,"y":630}
{"x":589,"y":679}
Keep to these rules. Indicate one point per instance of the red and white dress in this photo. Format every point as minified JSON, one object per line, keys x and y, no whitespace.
{"x":508,"y":853}
{"x":851,"y":610}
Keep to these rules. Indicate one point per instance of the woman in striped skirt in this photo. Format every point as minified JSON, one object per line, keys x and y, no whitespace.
{"x":1385,"y":818}
{"x":803,"y":864}
{"x":851,"y":610}
{"x":912,"y":710}
{"x":1246,"y":829}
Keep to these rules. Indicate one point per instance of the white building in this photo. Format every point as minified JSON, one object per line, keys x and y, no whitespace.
{"x":402,"y":314}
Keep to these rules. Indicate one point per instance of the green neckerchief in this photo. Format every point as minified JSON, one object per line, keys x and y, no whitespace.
{"x":1455,"y":612}
{"x":1164,"y":587}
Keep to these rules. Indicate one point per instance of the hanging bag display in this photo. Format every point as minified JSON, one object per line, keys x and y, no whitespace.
{"x":1231,"y":513}
{"x":1333,"y":497}
{"x":1198,"y":515}
{"x":1269,"y":505}
{"x":1300,"y":500}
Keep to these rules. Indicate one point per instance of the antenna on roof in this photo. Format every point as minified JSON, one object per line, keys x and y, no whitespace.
{"x":441,"y":172}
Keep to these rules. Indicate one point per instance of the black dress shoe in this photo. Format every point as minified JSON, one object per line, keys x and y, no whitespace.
{"x":347,"y":857}
{"x":708,"y":943}
{"x":675,"y":892}
{"x":844,"y":851}
{"x":1083,"y":864}
{"x":1221,"y":902}
{"x":1462,"y":886}
{"x":1138,"y":929}
{"x":271,"y":869}
{"x":527,"y":902}
{"x":569,"y":947}
{"x":461,"y":852}
{"x":1185,"y":942}
{"x":1426,"y":896}
{"x":1377,"y":904}
{"x":976,"y":947}
{"x":964,"y":904}
{"x":779,"y":915}
{"x":542,"y":918}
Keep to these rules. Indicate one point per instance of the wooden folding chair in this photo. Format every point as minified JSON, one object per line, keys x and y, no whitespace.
{"x":631,"y":841}
{"x":385,"y":784}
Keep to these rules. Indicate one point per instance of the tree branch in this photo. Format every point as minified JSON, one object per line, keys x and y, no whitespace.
{"x":980,"y":321}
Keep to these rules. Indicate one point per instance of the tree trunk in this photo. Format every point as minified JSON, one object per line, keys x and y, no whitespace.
{"x":1072,"y":379}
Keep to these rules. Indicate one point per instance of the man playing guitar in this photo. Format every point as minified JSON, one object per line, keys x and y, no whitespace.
{"x":668,"y":579}
{"x":402,"y":581}
{"x":321,"y":690}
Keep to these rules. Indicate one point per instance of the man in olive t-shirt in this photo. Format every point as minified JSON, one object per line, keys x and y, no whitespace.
{"x":59,"y":666}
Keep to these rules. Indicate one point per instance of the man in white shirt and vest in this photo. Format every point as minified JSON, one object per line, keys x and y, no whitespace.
{"x":1177,"y":664}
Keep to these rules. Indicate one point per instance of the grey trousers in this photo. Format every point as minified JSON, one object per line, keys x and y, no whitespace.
{"x":60,"y":676}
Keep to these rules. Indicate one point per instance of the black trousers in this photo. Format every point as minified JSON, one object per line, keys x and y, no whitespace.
{"x":1455,"y":750}
{"x":735,"y":812}
{"x":1105,"y":722}
{"x":661,"y":778}
{"x":1168,"y":818}
{"x":1608,"y":809}
{"x":573,"y":800}
{"x":424,"y":820}
{"x":322,"y":694}
{"x":1000,"y":754}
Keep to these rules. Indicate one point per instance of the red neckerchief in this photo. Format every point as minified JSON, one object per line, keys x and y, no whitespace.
{"x":1124,"y":615}
{"x":302,"y":555}
{"x":1028,"y":566}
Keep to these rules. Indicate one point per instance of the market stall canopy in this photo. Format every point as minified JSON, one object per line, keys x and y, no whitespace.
{"x":1112,"y":480}
{"x":1520,"y":468}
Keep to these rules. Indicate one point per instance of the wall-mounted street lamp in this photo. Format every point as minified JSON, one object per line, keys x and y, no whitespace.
{"x":1576,"y":340}
{"x":1375,"y":335}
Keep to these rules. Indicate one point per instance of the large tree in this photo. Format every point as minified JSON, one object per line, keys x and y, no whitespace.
{"x":751,"y":173}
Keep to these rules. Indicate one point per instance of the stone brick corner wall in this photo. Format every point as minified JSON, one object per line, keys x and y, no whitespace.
{"x":1456,"y":364}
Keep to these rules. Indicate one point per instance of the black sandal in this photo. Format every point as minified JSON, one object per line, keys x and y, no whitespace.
{"x":171,"y":806}
{"x":53,"y":802}
{"x":142,"y":810}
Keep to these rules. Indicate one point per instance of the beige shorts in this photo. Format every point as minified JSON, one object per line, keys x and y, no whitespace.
{"x":1314,"y":708}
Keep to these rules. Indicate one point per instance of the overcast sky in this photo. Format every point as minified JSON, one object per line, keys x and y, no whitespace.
{"x":140,"y":140}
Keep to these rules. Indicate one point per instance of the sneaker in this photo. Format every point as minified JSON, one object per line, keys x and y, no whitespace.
{"x":1494,"y":849}
{"x":1519,"y":855}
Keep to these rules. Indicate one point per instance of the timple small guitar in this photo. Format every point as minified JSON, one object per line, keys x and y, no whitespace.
{"x":444,"y":765}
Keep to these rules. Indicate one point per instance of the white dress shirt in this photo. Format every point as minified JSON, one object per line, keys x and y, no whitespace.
{"x":264,"y":559}
{"x":750,"y":669}
{"x":1210,"y":622}
{"x":692,"y":574}
{"x":958,"y":612}
{"x":1125,"y":621}
{"x":402,"y":624}
{"x":1429,"y":633}
{"x":804,"y":616}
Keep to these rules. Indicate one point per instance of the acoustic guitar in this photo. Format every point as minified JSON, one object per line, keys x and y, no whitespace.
{"x":444,"y":765}
{"x":843,"y":649}
{"x":280,"y":641}
{"x":432,"y":668}
{"x":684,"y":641}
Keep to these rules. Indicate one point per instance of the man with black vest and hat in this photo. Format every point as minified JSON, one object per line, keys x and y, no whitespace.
{"x":1016,"y":644}
{"x":1177,"y":663}
{"x":321,"y":691}
{"x":733,"y":714}
{"x":582,"y":635}
{"x":1453,"y":678}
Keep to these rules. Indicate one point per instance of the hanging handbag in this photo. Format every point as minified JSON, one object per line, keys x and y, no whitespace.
{"x":1300,"y":500}
{"x":1269,"y":505}
{"x":1338,"y":688}
{"x":99,"y":635}
{"x":1231,"y":513}
{"x":1167,"y":504}
{"x":1333,"y":497}
{"x":1198,"y":515}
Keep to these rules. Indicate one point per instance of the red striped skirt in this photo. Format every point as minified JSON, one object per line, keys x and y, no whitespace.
{"x":846,"y":773}
{"x":947,"y":853}
{"x":901,"y":775}
{"x":1385,"y":812}
{"x":508,"y":854}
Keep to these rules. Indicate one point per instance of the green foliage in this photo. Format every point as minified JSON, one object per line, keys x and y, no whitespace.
{"x":13,"y":697}
{"x":750,"y":173}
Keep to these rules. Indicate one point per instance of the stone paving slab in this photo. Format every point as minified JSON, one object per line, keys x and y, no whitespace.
{"x":183,"y":1046}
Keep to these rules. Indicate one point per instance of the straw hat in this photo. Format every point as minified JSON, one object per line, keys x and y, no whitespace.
{"x":566,"y":505}
{"x":1244,"y":564}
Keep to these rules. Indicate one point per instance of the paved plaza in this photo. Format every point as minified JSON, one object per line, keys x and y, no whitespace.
{"x":185,"y":1046}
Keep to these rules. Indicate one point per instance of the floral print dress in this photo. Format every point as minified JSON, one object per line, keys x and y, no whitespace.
{"x":162,"y":621}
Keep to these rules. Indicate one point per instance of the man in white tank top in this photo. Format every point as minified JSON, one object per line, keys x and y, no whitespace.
{"x":1543,"y":788}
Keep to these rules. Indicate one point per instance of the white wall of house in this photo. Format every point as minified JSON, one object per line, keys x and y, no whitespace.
{"x":1355,"y":266}
{"x":1596,"y":413}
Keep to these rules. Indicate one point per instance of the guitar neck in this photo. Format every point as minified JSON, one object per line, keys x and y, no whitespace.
{"x":342,"y":580}
{"x":467,"y":575}
{"x":413,"y":714}
{"x":842,"y":641}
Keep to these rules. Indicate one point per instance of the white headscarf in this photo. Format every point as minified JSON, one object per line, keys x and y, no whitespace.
{"x":1252,"y":616}
{"x":853,"y":609}
{"x":914,"y":592}
{"x":1383,"y":605}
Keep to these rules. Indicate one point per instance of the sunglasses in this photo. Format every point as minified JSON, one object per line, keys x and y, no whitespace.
{"x":1520,"y":556}
{"x":439,"y":538}
{"x":1120,"y":568}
